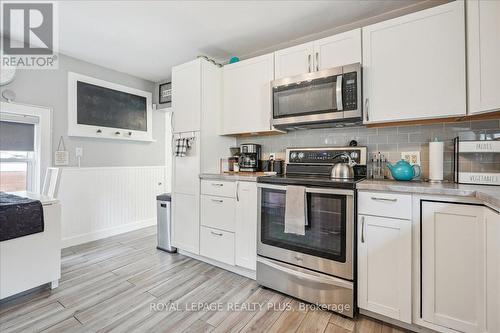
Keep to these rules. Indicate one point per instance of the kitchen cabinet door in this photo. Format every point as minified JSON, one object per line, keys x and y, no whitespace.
{"x":483,"y":55}
{"x":186,"y":96}
{"x":293,"y":61}
{"x":492,"y":270}
{"x":186,"y":222}
{"x":414,"y":66}
{"x":384,"y":266}
{"x":186,"y":169}
{"x":246,"y":95}
{"x":338,"y":50}
{"x":246,"y":225}
{"x":453,"y":266}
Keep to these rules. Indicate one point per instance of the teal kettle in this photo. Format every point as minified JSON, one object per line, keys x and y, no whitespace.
{"x":403,"y":170}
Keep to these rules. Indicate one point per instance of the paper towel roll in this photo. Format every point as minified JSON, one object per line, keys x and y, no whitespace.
{"x":436,"y":161}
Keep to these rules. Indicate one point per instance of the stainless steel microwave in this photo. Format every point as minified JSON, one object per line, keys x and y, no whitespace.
{"x":328,"y":97}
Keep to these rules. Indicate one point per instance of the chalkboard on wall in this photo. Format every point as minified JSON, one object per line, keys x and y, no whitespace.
{"x":108,"y":110}
{"x":104,"y":107}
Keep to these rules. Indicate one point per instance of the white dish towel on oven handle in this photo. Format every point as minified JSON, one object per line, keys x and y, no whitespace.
{"x":295,"y":210}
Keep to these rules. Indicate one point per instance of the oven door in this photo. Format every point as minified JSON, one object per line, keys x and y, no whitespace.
{"x":327,"y":245}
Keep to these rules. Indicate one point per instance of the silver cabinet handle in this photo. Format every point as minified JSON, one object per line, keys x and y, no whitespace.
{"x":237,"y":191}
{"x":309,"y":61}
{"x":362,"y":229}
{"x":215,"y":233}
{"x":384,"y":199}
{"x":338,"y":93}
{"x":366,"y":110}
{"x":217,"y":184}
{"x":218,"y":200}
{"x":317,"y":61}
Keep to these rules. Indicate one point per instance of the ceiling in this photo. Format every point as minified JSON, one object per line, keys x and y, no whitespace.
{"x":147,"y":38}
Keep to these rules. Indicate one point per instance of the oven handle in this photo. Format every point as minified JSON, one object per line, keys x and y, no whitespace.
{"x":309,"y":189}
{"x":306,"y":277}
{"x":338,"y":92}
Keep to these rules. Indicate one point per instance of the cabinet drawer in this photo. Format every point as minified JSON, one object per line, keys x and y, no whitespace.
{"x":385,"y":204}
{"x":218,"y":188}
{"x":217,"y":244}
{"x":218,"y":212}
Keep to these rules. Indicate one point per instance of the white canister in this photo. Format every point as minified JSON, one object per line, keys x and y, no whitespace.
{"x":436,"y":156}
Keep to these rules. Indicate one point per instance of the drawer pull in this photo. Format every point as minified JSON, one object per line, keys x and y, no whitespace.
{"x":384,"y":199}
{"x":215,"y":233}
{"x":362,"y":229}
{"x":218,"y":200}
{"x":217,"y":184}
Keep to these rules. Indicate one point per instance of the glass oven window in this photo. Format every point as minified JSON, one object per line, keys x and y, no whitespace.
{"x":316,"y":96}
{"x":325,"y":232}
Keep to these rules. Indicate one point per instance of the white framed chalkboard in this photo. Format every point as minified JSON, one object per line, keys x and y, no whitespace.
{"x":102,"y":109}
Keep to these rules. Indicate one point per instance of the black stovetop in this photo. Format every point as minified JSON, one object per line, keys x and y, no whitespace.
{"x":311,"y":180}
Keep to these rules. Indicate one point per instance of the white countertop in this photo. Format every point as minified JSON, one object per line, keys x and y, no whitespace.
{"x":490,"y":195}
{"x":235,"y":176}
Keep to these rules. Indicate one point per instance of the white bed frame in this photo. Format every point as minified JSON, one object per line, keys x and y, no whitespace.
{"x":33,"y":260}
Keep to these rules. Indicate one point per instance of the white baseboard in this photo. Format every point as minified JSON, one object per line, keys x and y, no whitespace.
{"x":235,"y":269}
{"x":104,"y":233}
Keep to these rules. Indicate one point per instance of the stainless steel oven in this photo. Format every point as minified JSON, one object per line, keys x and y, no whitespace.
{"x":329,"y":96}
{"x":318,"y":266}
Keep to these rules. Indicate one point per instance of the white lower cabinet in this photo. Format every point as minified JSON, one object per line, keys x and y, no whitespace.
{"x":229,"y":224}
{"x":217,"y":244}
{"x":492,"y":270}
{"x":186,"y":223}
{"x":384,"y":266}
{"x":453,"y":245}
{"x":246,"y":225}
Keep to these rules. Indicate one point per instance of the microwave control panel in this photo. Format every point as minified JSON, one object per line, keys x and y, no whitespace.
{"x":350,"y":91}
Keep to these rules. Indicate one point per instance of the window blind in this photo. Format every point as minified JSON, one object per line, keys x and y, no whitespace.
{"x":17,"y":136}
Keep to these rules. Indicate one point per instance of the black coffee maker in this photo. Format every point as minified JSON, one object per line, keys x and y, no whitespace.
{"x":250,"y":157}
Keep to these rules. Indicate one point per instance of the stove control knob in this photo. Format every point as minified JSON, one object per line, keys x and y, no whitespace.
{"x":354,"y":155}
{"x":301,"y":156}
{"x":293,"y":156}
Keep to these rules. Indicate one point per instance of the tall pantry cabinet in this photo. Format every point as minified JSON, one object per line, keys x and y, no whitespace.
{"x":196,"y":104}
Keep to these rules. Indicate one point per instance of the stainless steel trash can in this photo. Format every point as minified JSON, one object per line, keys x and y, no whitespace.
{"x":164,"y":223}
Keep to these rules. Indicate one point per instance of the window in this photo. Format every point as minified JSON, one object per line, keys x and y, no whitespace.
{"x":18,"y":155}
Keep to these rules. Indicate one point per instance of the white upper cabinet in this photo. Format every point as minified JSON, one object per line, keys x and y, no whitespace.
{"x":294,"y":60}
{"x":246,"y":95}
{"x":483,"y":55}
{"x":414,"y":66}
{"x":186,"y":96}
{"x":333,"y":51}
{"x":338,"y":50}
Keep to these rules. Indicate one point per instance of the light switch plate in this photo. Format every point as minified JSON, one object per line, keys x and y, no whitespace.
{"x":412,"y":157}
{"x":79,"y":151}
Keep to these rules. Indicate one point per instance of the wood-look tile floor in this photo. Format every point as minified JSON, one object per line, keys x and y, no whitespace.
{"x":124,"y":284}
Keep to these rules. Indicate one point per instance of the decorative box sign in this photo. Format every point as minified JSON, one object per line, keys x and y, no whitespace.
{"x":479,"y":147}
{"x":165,"y":90}
{"x":476,"y":162}
{"x":479,"y":178}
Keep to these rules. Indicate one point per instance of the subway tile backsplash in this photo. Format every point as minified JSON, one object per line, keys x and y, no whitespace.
{"x":390,"y":141}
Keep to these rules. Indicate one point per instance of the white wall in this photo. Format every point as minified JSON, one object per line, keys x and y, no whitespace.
{"x":49,"y":88}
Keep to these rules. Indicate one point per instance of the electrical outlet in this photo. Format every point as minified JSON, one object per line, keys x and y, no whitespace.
{"x":272,"y":156}
{"x":79,"y":151}
{"x":412,"y":157}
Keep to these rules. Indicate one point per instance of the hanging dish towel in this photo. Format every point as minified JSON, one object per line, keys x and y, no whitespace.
{"x":295,"y":210}
{"x":181,"y":146}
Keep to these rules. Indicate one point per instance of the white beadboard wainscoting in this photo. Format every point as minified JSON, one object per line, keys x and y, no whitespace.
{"x":100,"y":202}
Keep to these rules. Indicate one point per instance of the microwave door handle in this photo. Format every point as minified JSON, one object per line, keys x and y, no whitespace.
{"x":338,"y":93}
